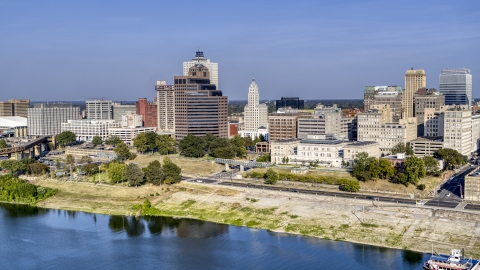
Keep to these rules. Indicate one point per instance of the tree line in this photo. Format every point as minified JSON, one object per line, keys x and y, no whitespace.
{"x":199,"y":146}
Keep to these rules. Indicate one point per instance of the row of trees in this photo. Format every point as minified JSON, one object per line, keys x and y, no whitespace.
{"x":155,"y":173}
{"x":196,"y":146}
{"x":26,"y":165}
{"x":410,"y":172}
{"x":151,"y":141}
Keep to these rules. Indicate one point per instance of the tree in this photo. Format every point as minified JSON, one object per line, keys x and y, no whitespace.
{"x":122,"y":152}
{"x":38,"y":168}
{"x":112,"y":140}
{"x":90,"y":169}
{"x":65,"y":138}
{"x":400,"y":178}
{"x":238,"y":146}
{"x":116,"y":172}
{"x":97,"y":140}
{"x":165,"y":144}
{"x":386,"y":169}
{"x":351,"y":186}
{"x":171,"y":171}
{"x":141,"y":142}
{"x":451,"y":157}
{"x":151,"y":140}
{"x":3,"y":144}
{"x":192,"y":146}
{"x":414,"y":169}
{"x":373,"y":167}
{"x":224,"y":152}
{"x":86,"y":160}
{"x":154,"y":173}
{"x":402,"y":148}
{"x":360,"y":167}
{"x":13,"y":166}
{"x":70,"y":160}
{"x":265,"y":158}
{"x":134,"y":174}
{"x":431,"y":165}
{"x":208,"y":139}
{"x":219,"y":143}
{"x":248,"y":141}
{"x":271,"y":177}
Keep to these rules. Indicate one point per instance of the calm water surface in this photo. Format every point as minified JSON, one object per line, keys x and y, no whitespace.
{"x":34,"y":238}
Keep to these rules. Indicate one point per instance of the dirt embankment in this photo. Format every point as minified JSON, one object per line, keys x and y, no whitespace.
{"x":389,"y":225}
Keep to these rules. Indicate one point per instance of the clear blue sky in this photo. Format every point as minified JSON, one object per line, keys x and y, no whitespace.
{"x":75,"y":50}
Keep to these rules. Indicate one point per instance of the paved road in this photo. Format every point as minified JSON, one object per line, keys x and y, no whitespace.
{"x":472,"y":207}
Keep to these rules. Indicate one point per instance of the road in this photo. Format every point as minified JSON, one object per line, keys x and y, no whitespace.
{"x":442,"y":199}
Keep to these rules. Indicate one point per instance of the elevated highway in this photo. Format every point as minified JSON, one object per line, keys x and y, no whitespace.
{"x":25,"y":146}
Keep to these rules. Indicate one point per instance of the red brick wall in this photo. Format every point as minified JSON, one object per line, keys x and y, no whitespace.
{"x":148,"y":111}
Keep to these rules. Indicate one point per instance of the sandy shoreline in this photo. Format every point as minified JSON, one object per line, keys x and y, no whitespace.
{"x":359,"y":221}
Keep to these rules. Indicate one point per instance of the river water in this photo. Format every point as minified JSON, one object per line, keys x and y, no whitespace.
{"x":35,"y":238}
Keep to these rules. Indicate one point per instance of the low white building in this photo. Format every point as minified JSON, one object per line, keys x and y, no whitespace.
{"x":132,"y":120}
{"x":13,"y":126}
{"x":86,"y":129}
{"x":127,"y":134}
{"x":325,"y":150}
{"x":253,"y":134}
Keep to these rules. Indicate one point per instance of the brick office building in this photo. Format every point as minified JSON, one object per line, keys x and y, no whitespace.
{"x":148,"y":111}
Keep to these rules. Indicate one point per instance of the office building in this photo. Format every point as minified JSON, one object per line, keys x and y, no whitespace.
{"x":475,"y":133}
{"x":199,"y":107}
{"x":123,"y":109}
{"x":165,"y":106}
{"x":457,"y":129}
{"x":131,"y":120}
{"x":255,"y":114}
{"x":45,"y":119}
{"x":148,"y":111}
{"x":456,"y":86}
{"x":200,"y":59}
{"x":424,"y":99}
{"x":472,"y":187}
{"x":375,"y":125}
{"x":325,"y":120}
{"x":290,"y":102}
{"x":414,"y":80}
{"x":14,"y":107}
{"x":86,"y":129}
{"x":391,"y":95}
{"x":99,"y":109}
{"x":283,"y":126}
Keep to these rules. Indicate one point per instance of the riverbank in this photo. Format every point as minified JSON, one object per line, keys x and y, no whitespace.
{"x":388,"y":225}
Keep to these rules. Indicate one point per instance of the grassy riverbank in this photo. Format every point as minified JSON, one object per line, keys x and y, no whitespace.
{"x":326,"y":217}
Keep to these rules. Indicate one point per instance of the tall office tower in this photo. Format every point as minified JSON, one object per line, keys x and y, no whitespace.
{"x":255,"y":114}
{"x":200,"y":59}
{"x":292,"y":102}
{"x":199,"y":107}
{"x":325,"y":120}
{"x":414,"y":80}
{"x":424,"y":99}
{"x":14,"y":107}
{"x":99,"y":109}
{"x":165,"y":106}
{"x":456,"y":86}
{"x":45,"y":119}
{"x":148,"y":111}
{"x":122,"y":109}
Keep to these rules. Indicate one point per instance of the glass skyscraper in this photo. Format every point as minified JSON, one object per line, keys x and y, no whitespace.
{"x":456,"y":86}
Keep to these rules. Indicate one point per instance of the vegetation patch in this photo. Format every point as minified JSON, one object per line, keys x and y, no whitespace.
{"x":13,"y":189}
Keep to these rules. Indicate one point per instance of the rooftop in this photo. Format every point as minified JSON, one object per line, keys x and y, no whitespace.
{"x":13,"y":121}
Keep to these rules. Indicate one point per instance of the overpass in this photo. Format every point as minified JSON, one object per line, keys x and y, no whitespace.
{"x":25,"y":146}
{"x":243,"y":164}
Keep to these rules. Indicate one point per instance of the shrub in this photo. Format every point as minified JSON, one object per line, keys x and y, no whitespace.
{"x":421,"y":187}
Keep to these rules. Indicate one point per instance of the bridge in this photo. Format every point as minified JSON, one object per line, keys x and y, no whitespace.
{"x":25,"y":146}
{"x":243,"y":164}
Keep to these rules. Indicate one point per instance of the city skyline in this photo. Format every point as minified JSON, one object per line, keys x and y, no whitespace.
{"x":64,"y":51}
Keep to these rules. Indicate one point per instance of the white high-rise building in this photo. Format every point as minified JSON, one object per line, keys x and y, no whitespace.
{"x":255,"y":114}
{"x":200,"y":59}
{"x":99,"y":109}
{"x":456,"y":86}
